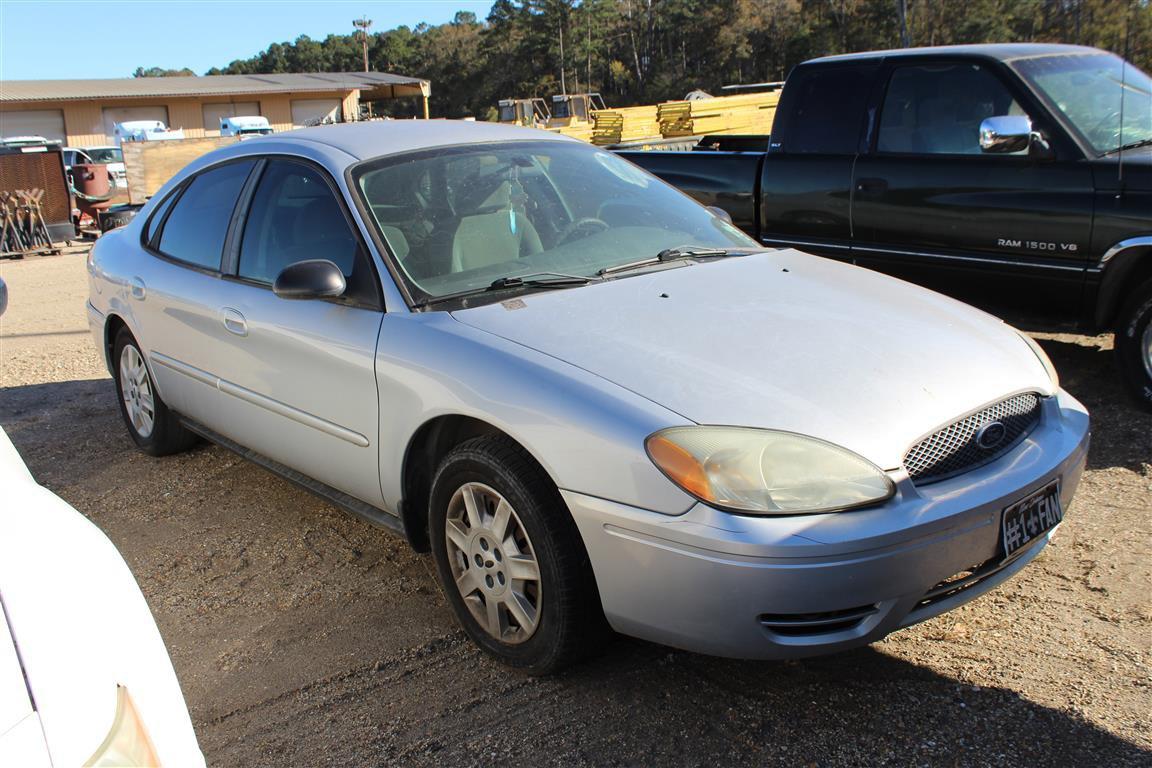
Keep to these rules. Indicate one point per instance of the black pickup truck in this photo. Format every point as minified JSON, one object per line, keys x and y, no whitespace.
{"x":1014,"y":177}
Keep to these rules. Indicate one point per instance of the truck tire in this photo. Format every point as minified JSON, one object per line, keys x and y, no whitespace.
{"x":1134,"y":344}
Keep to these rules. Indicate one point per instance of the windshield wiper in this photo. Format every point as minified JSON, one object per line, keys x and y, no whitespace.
{"x":1126,"y":147}
{"x":555,"y":280}
{"x":538,"y":279}
{"x":669,"y":254}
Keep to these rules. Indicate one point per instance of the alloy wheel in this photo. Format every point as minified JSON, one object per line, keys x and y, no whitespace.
{"x":136,"y":389}
{"x":493,"y":563}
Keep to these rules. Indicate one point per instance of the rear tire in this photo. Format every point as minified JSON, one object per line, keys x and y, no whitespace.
{"x":153,"y":427}
{"x":1134,"y":344}
{"x":510,"y":558}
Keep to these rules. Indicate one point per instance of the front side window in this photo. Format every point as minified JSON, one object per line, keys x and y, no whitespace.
{"x":197,"y":226}
{"x":937,"y":109}
{"x":294,"y":217}
{"x":1107,"y":101}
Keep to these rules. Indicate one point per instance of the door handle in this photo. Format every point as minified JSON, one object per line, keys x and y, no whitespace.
{"x":872,"y":186}
{"x":234,"y":322}
{"x":136,"y":286}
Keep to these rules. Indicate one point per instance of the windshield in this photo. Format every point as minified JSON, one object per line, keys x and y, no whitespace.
{"x":458,"y":219}
{"x":1107,"y":100}
{"x":106,"y":155}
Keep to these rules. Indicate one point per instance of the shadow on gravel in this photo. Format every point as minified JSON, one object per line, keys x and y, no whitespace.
{"x":1121,"y":432}
{"x":444,"y":704}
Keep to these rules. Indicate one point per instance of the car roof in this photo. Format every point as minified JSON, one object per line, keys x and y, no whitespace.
{"x":387,"y":137}
{"x":999,"y":51}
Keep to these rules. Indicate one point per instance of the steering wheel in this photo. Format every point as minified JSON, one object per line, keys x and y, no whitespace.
{"x":590,"y":223}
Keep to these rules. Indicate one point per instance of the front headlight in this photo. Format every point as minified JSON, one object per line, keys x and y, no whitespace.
{"x":127,"y":743}
{"x":766,"y":472}
{"x":1042,"y":356}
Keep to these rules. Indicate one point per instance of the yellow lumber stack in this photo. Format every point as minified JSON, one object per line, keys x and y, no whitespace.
{"x":613,"y":126}
{"x":577,"y":129}
{"x":746,"y":113}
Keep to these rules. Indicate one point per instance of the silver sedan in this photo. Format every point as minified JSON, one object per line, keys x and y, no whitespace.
{"x":598,"y":404}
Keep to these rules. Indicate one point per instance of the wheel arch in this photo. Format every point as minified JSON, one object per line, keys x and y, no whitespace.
{"x":112,"y":325}
{"x":1125,"y":266}
{"x":427,"y":447}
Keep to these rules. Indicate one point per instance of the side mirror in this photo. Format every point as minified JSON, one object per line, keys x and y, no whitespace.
{"x":3,"y":296}
{"x":1005,"y":134}
{"x":310,"y":279}
{"x":718,"y":211}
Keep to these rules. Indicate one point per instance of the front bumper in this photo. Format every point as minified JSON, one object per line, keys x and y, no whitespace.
{"x":786,"y":587}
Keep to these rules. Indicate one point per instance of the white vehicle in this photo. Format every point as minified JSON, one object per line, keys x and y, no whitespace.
{"x":245,"y":125}
{"x":112,"y":157}
{"x":146,"y":130}
{"x":85,"y":678}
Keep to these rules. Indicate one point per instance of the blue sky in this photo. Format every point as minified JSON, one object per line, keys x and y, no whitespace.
{"x":53,"y":39}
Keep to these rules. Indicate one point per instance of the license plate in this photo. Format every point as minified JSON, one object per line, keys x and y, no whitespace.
{"x":1030,"y":518}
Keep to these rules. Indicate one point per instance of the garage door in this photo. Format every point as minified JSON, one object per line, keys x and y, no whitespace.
{"x":113,"y":115}
{"x":48,"y":123}
{"x":213,"y":113}
{"x":314,"y":111}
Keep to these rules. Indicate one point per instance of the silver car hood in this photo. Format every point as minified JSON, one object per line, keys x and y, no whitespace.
{"x":781,"y":340}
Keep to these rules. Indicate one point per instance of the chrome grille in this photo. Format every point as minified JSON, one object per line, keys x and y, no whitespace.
{"x":954,"y":449}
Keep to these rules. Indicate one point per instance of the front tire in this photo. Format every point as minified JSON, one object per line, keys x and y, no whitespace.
{"x":1134,"y":344}
{"x":153,"y":427}
{"x":510,"y":558}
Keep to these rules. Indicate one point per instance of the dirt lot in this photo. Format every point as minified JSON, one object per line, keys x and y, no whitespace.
{"x":305,"y":637}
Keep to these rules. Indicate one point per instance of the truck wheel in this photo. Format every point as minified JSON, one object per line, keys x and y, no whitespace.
{"x":1134,"y":344}
{"x":510,"y":559}
{"x":153,"y":427}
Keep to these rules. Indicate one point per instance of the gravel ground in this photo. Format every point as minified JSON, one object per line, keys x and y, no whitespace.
{"x":303,"y":636}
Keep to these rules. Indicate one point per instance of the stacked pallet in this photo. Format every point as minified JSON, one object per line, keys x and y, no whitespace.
{"x":613,"y":126}
{"x":746,"y":113}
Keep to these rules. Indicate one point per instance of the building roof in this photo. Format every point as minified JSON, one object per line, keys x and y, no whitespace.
{"x":210,"y":85}
{"x":1000,"y":51}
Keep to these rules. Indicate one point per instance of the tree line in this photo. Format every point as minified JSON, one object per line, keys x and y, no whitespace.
{"x":645,"y":51}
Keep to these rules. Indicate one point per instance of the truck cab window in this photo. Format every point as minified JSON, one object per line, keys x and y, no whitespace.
{"x":826,"y":113}
{"x":937,"y":109}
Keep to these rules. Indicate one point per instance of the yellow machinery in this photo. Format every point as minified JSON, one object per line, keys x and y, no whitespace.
{"x":532,"y":113}
{"x":572,"y":114}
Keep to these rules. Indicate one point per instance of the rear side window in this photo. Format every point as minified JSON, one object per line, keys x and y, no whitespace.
{"x":825,"y":112}
{"x":195,"y":230}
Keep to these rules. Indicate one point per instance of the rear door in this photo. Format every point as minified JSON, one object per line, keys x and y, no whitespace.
{"x":992,"y":229}
{"x":807,"y":174}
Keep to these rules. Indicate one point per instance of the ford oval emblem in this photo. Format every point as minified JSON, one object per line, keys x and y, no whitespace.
{"x":991,"y":435}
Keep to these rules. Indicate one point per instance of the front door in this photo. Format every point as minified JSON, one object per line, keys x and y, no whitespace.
{"x":298,"y":377}
{"x":928,"y":206}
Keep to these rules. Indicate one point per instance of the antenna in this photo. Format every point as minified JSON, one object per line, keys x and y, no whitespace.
{"x":1123,"y":98}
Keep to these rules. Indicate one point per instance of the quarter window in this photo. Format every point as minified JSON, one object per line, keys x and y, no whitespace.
{"x":195,"y":230}
{"x":937,"y":110}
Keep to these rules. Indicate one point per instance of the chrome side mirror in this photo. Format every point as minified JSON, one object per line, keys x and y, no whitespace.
{"x":311,"y":279}
{"x":1005,"y":133}
{"x":3,"y":296}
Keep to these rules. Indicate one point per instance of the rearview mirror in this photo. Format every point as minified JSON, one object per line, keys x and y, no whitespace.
{"x":718,"y":211}
{"x":310,"y":279}
{"x":1005,"y":134}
